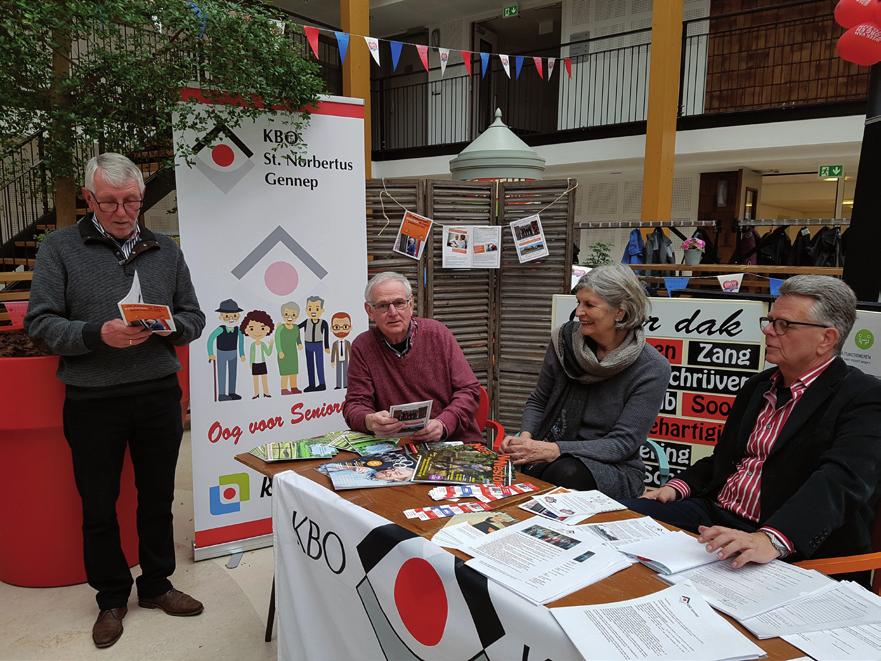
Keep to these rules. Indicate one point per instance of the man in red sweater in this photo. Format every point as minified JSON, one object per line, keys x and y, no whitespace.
{"x":405,"y":359}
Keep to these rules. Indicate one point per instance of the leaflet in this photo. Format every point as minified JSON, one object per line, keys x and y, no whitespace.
{"x":290,"y":450}
{"x":133,"y":310}
{"x":414,"y":415}
{"x":536,"y":507}
{"x":387,"y":469}
{"x":471,"y":246}
{"x":753,"y":589}
{"x":529,"y":239}
{"x":571,"y":503}
{"x":675,"y":624}
{"x":464,"y":531}
{"x":619,"y":533}
{"x":856,"y":643}
{"x":413,"y":235}
{"x":671,"y":553}
{"x":838,"y":605}
{"x":544,"y":560}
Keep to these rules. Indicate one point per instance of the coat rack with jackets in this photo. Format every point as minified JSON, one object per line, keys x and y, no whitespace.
{"x":824,"y":247}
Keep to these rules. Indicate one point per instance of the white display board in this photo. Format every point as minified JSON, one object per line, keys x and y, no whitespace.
{"x":713,"y":347}
{"x":863,"y":346}
{"x":262,"y":227}
{"x":351,"y":584}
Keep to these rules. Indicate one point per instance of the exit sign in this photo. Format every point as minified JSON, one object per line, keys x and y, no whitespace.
{"x":510,"y":11}
{"x":827,"y":171}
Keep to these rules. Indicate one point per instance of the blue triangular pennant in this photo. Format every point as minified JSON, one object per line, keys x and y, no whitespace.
{"x":774,"y":285}
{"x":396,"y":47}
{"x":518,"y":64}
{"x":484,"y":63}
{"x":672,"y":284}
{"x":342,"y":42}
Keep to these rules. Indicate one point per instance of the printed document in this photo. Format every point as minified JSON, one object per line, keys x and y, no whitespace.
{"x":573,"y":503}
{"x":471,"y":246}
{"x":675,"y":623}
{"x":753,"y":589}
{"x":619,"y":533}
{"x":857,"y":643}
{"x":544,"y":560}
{"x":671,"y":553}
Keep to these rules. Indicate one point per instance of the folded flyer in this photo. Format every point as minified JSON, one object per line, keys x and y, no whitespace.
{"x":133,"y":310}
{"x":291,"y":450}
{"x":414,"y":415}
{"x":386,"y":469}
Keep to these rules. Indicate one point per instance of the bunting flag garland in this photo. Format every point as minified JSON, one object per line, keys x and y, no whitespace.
{"x":466,"y":59}
{"x":551,"y":61}
{"x":444,"y":55}
{"x":672,"y":284}
{"x":373,"y":47}
{"x":342,"y":42}
{"x":730,"y":282}
{"x":537,"y":61}
{"x":396,"y":47}
{"x":484,"y":63}
{"x":506,"y":64}
{"x":568,"y":62}
{"x":312,"y":37}
{"x":774,"y":285}
{"x":422,"y":49}
{"x":518,"y":65}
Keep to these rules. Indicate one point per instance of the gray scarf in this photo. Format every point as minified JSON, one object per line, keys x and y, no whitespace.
{"x":568,"y":398}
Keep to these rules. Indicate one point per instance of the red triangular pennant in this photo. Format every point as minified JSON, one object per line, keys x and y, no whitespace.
{"x":537,"y":61}
{"x":312,"y":36}
{"x":568,"y":62}
{"x":466,"y":59}
{"x":423,"y":54}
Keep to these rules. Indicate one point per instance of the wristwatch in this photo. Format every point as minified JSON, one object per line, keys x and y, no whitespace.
{"x":779,"y":546}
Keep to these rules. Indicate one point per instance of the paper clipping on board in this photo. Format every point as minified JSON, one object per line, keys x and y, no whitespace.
{"x":468,"y":246}
{"x":413,"y":235}
{"x":529,"y":239}
{"x":676,"y":624}
{"x":133,"y":310}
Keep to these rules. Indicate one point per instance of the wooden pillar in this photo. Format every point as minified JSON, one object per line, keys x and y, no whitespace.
{"x":355,"y":19}
{"x":660,"y":139}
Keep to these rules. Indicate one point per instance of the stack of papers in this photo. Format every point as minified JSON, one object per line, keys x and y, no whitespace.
{"x":544,"y":560}
{"x":569,"y":506}
{"x":675,"y":623}
{"x":670,"y":553}
{"x":858,"y":643}
{"x":290,"y":450}
{"x":464,"y":529}
{"x":358,"y":442}
{"x":620,"y":533}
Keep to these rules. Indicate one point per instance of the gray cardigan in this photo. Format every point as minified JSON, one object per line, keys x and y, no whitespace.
{"x":79,"y":278}
{"x":616,"y":422}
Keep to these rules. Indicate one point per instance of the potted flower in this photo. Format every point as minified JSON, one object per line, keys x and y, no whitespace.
{"x":694,"y":250}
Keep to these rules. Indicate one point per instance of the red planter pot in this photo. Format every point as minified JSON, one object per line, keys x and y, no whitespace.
{"x":41,"y":517}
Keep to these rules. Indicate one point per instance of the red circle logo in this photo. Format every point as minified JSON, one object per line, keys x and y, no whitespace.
{"x":421,"y":601}
{"x":222,"y":155}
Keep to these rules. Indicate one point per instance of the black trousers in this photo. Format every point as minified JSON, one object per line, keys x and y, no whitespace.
{"x":564,"y":471}
{"x":98,"y":431}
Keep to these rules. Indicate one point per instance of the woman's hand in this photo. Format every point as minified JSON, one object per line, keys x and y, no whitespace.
{"x":525,"y":450}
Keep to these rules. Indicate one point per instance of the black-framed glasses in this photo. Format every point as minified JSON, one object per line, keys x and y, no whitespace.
{"x":132,"y":206}
{"x":783,"y":325}
{"x":399,"y":305}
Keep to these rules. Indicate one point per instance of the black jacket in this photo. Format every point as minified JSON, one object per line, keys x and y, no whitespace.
{"x":820,"y":482}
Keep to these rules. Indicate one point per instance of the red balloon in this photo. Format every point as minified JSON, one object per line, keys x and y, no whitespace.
{"x":849,"y":13}
{"x":861,"y":44}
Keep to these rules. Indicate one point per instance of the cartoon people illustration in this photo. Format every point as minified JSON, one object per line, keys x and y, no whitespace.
{"x":341,"y":351}
{"x":315,"y":333}
{"x":258,"y":325}
{"x":287,"y":341}
{"x":229,"y":343}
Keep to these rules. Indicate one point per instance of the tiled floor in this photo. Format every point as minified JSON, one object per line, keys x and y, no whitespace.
{"x":56,"y":623}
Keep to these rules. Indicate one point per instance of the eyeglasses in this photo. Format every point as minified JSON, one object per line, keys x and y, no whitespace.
{"x":782,"y":325}
{"x":132,"y":206}
{"x":399,"y":304}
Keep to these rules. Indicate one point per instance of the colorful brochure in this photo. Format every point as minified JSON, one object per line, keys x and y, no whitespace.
{"x":414,"y":415}
{"x":471,"y":246}
{"x":465,"y":464}
{"x":529,"y":239}
{"x":413,"y":235}
{"x":133,"y":310}
{"x":386,"y":469}
{"x":291,"y":450}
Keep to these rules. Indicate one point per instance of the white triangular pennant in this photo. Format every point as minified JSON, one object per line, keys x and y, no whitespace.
{"x":551,"y":61}
{"x":506,"y":64}
{"x":730,"y":282}
{"x":444,"y":54}
{"x":373,"y":47}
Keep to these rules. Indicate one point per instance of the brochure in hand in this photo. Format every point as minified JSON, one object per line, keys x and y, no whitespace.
{"x":290,"y":450}
{"x":385,"y":469}
{"x":464,"y":464}
{"x":133,"y":310}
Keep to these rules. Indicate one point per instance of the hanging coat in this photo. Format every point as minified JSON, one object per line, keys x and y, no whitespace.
{"x":774,"y":248}
{"x":801,"y":254}
{"x":658,"y":248}
{"x":747,"y":244}
{"x":634,"y":252}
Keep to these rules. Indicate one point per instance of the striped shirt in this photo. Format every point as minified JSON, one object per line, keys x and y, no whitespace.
{"x":125,"y":247}
{"x":741,"y":494}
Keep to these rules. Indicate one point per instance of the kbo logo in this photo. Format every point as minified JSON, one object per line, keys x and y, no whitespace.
{"x":229,"y":494}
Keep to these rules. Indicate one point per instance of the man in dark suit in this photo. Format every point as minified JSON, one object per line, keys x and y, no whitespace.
{"x":796,"y":471}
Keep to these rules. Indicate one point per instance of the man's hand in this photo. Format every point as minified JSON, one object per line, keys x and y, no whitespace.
{"x":433,"y":431}
{"x":212,"y":359}
{"x":281,"y":355}
{"x":119,"y":335}
{"x":327,"y":351}
{"x":743,"y":546}
{"x":524,"y":450}
{"x":382,"y":423}
{"x":242,"y":358}
{"x":664,"y":494}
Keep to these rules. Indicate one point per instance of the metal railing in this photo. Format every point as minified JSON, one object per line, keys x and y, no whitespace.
{"x":24,"y":191}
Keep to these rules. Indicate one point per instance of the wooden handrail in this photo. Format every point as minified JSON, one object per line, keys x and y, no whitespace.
{"x":16,"y":276}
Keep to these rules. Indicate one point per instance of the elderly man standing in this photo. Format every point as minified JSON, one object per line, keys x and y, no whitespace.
{"x":121,"y":383}
{"x":796,"y":471}
{"x":405,"y":359}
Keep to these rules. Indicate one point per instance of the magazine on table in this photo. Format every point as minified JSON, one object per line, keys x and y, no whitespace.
{"x":464,"y":464}
{"x":291,"y":450}
{"x":414,"y":415}
{"x":386,"y":469}
{"x":155,"y":318}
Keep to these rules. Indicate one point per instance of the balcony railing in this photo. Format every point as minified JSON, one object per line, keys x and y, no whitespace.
{"x":763,"y":59}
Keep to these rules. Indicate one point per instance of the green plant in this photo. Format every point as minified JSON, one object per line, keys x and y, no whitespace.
{"x":600,"y":253}
{"x":109,"y":72}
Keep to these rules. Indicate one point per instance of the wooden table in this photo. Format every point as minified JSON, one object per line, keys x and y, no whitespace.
{"x":390,"y":502}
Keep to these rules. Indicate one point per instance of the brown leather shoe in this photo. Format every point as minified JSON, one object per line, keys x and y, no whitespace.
{"x":173,"y":602}
{"x":108,"y":627}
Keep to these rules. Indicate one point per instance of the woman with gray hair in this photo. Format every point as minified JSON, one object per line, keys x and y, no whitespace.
{"x":598,"y":393}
